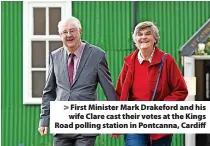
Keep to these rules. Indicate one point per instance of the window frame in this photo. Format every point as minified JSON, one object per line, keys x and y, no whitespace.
{"x":28,"y":37}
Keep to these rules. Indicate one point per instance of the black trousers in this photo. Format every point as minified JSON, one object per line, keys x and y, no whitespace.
{"x":73,"y":140}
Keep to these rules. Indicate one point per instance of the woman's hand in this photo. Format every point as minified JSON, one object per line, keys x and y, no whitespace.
{"x":115,"y":135}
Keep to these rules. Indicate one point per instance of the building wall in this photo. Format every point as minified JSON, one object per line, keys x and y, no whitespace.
{"x":105,"y":24}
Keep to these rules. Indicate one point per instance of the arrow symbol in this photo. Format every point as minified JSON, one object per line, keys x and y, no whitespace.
{"x":66,"y":107}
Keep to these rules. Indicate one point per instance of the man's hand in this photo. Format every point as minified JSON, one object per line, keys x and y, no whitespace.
{"x":43,"y":130}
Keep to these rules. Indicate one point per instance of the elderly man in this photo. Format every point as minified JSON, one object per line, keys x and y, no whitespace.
{"x":74,"y":73}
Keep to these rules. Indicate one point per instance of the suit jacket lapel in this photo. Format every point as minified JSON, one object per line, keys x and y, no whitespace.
{"x":86,"y":52}
{"x":65,"y":65}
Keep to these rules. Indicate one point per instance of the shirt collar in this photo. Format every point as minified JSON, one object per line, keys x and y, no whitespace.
{"x":141,"y":58}
{"x":78,"y":52}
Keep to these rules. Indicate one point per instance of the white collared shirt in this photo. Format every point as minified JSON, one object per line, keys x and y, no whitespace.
{"x":141,"y":58}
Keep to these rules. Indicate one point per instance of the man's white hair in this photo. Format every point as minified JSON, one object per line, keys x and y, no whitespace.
{"x":69,"y":20}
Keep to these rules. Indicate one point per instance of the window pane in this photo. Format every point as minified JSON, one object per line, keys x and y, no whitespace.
{"x":54,"y":18}
{"x":39,"y":21}
{"x":38,"y":54}
{"x":55,"y":45}
{"x":38,"y":81}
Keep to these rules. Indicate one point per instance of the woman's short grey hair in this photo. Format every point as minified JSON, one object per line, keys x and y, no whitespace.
{"x":147,"y":24}
{"x":69,"y":20}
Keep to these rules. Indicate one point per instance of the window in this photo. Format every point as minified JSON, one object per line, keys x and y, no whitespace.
{"x":40,"y":37}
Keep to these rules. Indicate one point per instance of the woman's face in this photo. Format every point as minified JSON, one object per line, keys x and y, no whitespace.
{"x":145,"y":39}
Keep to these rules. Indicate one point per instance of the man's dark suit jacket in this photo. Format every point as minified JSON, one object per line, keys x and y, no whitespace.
{"x":93,"y":69}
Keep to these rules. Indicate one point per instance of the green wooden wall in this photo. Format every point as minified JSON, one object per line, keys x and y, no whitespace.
{"x":18,"y":122}
{"x":105,"y":24}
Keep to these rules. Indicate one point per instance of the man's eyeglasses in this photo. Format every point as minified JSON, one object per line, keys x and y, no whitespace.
{"x":71,"y":31}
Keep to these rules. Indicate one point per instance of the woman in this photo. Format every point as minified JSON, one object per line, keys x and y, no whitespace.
{"x":138,"y":78}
